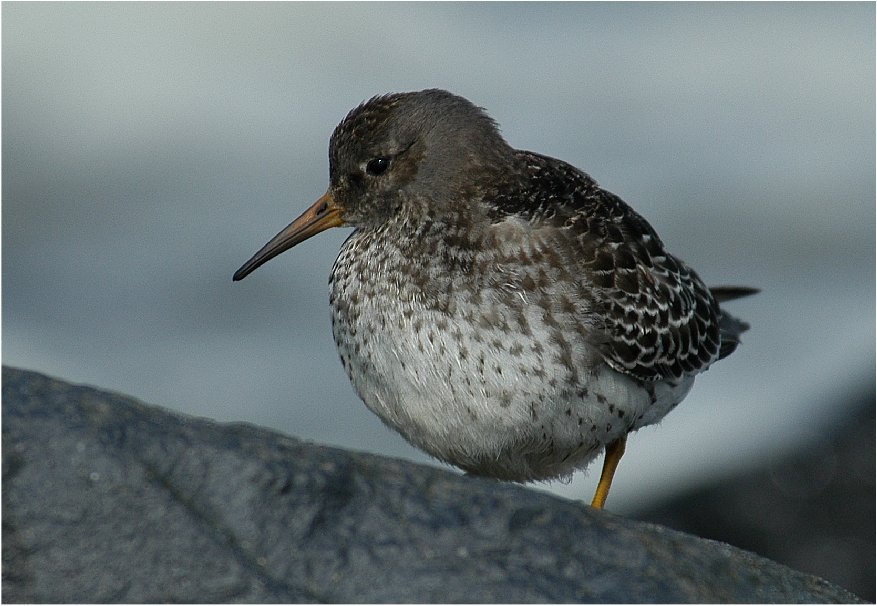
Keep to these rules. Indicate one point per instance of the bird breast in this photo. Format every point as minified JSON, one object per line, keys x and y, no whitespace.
{"x":496,"y":375}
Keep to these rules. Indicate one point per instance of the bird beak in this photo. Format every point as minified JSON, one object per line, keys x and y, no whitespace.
{"x":323,"y":214}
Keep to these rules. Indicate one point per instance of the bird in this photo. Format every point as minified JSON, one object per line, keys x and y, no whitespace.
{"x":496,"y":307}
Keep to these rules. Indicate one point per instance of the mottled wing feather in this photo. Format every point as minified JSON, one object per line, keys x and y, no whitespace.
{"x":653,"y":318}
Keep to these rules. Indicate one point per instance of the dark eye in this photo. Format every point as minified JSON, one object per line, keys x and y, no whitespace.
{"x":377,"y":166}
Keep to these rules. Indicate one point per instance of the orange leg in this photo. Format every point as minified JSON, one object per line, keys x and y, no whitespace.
{"x":614,"y":452}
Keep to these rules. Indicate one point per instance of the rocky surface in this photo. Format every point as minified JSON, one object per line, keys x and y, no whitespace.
{"x":812,"y":509}
{"x":106,"y":499}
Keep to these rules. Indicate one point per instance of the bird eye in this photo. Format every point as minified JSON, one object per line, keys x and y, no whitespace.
{"x":377,"y":166}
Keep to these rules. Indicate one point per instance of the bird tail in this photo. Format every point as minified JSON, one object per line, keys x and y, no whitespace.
{"x":730,"y":328}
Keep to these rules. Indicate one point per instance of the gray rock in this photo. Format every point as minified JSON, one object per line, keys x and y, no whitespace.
{"x":811,"y":509}
{"x":106,"y":499}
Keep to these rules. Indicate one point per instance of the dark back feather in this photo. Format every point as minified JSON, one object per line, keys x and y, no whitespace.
{"x":654,"y":318}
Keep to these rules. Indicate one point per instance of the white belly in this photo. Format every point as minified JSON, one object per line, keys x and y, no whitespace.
{"x":488,"y":382}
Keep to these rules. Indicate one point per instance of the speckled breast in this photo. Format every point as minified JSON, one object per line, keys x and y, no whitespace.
{"x":476,"y":367}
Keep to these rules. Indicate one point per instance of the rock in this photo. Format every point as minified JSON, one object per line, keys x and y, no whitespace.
{"x":106,"y":499}
{"x":812,"y":509}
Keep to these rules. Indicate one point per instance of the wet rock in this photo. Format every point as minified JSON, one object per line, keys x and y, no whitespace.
{"x":106,"y":499}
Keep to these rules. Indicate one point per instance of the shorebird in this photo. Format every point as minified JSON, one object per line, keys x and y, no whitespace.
{"x":494,"y":306}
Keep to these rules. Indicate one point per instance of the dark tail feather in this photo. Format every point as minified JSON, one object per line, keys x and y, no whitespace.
{"x":729,"y":293}
{"x":730,"y":328}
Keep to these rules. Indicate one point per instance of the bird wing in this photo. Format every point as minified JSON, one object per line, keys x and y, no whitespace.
{"x":651,"y":316}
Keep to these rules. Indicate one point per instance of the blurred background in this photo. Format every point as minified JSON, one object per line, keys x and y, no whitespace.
{"x":150,"y":149}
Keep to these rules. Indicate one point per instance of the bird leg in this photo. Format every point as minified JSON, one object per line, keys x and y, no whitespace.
{"x":614,"y":452}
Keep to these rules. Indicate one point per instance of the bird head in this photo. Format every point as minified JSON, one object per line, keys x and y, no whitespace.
{"x":402,"y":155}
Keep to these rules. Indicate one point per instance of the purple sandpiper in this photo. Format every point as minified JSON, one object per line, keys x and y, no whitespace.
{"x":495,"y":306}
